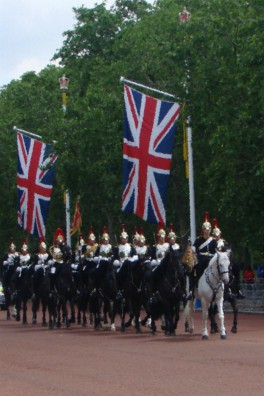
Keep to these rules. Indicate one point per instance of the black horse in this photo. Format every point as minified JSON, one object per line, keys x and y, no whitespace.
{"x":8,"y":286}
{"x":22,"y":281}
{"x":43,"y":293}
{"x":66,"y":292}
{"x":167,"y":293}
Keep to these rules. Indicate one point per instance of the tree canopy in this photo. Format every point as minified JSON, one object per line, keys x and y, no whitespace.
{"x":214,"y":63}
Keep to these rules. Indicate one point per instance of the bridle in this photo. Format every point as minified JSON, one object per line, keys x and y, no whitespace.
{"x":219,"y":284}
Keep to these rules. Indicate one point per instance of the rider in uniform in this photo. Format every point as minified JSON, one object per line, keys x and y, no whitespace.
{"x":89,"y":251}
{"x":143,"y":252}
{"x":177,"y":249}
{"x":10,"y":263}
{"x":103,"y":258}
{"x":124,"y":255}
{"x":40,"y":262}
{"x":159,"y":251}
{"x":204,"y":247}
{"x":222,"y":245}
{"x":57,"y":256}
{"x":11,"y":258}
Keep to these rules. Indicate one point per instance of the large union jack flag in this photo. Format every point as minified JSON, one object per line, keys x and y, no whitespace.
{"x":35,"y":174}
{"x":149,"y":132}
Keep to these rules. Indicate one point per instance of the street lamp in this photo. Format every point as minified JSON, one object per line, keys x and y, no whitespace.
{"x":64,"y":83}
{"x":185,"y":17}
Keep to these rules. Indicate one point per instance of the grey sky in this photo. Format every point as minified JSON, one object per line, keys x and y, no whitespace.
{"x":31,"y":32}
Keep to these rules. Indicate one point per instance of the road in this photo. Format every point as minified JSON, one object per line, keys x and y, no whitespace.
{"x":84,"y":362}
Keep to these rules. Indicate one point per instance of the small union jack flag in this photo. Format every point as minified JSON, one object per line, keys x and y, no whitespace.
{"x":149,"y":132}
{"x":35,"y":175}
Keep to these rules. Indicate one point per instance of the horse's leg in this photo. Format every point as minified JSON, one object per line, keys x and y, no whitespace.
{"x":18,"y":306}
{"x":221,"y":318}
{"x":52,"y":309}
{"x":35,"y":304}
{"x":211,"y":313}
{"x":189,"y":316}
{"x":176,"y":315}
{"x":205,"y":306}
{"x":44,"y":304}
{"x":25,"y":312}
{"x":7,"y":303}
{"x":58,"y":311}
{"x":112,"y":314}
{"x":123,"y":315}
{"x":235,"y":312}
{"x":72,"y":308}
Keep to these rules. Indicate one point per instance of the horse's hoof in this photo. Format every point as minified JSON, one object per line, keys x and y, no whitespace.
{"x":113,"y":328}
{"x":18,"y":318}
{"x":25,"y":322}
{"x":138,"y":331}
{"x":84,"y":324}
{"x":234,"y":330}
{"x":223,"y":337}
{"x":34,"y":321}
{"x":44,"y":324}
{"x":205,"y":337}
{"x":170,"y":333}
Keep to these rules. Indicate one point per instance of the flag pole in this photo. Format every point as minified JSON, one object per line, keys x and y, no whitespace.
{"x":184,"y":17}
{"x":27,"y":133}
{"x":64,"y":82}
{"x":124,"y":80}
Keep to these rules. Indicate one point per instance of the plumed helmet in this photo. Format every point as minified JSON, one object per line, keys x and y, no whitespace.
{"x":59,"y":236}
{"x":161,"y":230}
{"x":24,"y":247}
{"x":141,"y":237}
{"x":42,"y":243}
{"x":81,"y":241}
{"x":105,"y":234}
{"x":123,"y":234}
{"x":91,"y":235}
{"x":171,"y":234}
{"x":136,"y":234}
{"x":206,"y":224}
{"x":12,"y":246}
{"x":216,"y":230}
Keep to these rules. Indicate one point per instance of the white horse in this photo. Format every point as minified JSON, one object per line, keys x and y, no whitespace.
{"x":210,"y":288}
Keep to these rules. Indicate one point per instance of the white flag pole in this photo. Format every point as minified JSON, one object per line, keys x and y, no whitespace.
{"x":124,"y":80}
{"x":64,"y":83}
{"x":184,"y":17}
{"x":27,"y":133}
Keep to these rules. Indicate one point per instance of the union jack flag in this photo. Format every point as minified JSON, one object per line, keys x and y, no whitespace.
{"x":149,"y":132}
{"x":35,"y":174}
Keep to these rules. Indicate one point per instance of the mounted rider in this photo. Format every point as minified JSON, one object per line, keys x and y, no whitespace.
{"x":143,"y":251}
{"x":159,"y":251}
{"x":11,"y":258}
{"x":205,"y":247}
{"x":124,"y":256}
{"x":42,"y":256}
{"x":178,"y":251}
{"x":103,"y":258}
{"x":89,"y":252}
{"x":223,"y":245}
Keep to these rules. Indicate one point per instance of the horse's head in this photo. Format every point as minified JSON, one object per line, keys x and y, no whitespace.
{"x":223,"y":264}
